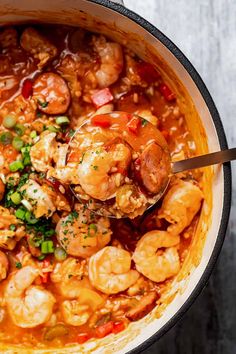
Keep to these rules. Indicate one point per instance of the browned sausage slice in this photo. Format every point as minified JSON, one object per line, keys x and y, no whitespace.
{"x":153,"y":168}
{"x":146,"y":304}
{"x":51,"y":93}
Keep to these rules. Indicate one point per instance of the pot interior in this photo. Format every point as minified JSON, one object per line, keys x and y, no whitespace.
{"x":118,"y":26}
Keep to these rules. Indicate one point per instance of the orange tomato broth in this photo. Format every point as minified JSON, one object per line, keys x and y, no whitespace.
{"x":171,"y":123}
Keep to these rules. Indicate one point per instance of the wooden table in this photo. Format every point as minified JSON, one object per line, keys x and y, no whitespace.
{"x":205,"y":30}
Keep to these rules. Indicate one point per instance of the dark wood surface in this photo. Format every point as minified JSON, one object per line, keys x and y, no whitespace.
{"x":205,"y":30}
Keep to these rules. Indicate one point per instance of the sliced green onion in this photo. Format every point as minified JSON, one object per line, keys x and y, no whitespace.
{"x":60,"y":254}
{"x":30,"y":218}
{"x":19,"y":129}
{"x":62,"y":120}
{"x":33,"y":134}
{"x":26,"y":204}
{"x":16,"y":198}
{"x":20,"y":214}
{"x":17,"y":143}
{"x":53,"y":129}
{"x":26,"y":155}
{"x":6,"y":138}
{"x":9,"y":121}
{"x":47,"y":247}
{"x":16,"y":165}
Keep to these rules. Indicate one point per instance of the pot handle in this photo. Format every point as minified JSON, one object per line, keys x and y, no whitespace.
{"x":121,"y":2}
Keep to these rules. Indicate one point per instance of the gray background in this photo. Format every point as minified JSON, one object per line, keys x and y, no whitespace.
{"x":205,"y":30}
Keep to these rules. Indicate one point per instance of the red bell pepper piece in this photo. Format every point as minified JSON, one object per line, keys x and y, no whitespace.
{"x":83,"y":337}
{"x":27,"y":89}
{"x":147,"y":72}
{"x":101,"y":120}
{"x":104,"y":329}
{"x":44,"y":278}
{"x":134,"y":125}
{"x":118,"y":327}
{"x":45,"y":274}
{"x":166,"y":92}
{"x":102,"y":97}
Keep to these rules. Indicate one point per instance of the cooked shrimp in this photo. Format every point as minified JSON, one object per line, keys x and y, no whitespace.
{"x":180,"y":205}
{"x":4,"y":265}
{"x":57,"y":195}
{"x":42,"y":152}
{"x":65,"y":173}
{"x":109,"y":270}
{"x":77,"y":312}
{"x":111,"y":57}
{"x":9,"y":238}
{"x":38,"y":198}
{"x":51,"y":93}
{"x":70,"y":277}
{"x":95,"y":171}
{"x":82,"y":234}
{"x":27,"y":304}
{"x":37,"y":45}
{"x":157,"y":265}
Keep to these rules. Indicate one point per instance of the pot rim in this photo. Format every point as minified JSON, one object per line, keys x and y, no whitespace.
{"x":226,"y":167}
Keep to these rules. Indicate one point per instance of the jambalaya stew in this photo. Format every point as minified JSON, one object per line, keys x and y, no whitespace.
{"x":68,"y":274}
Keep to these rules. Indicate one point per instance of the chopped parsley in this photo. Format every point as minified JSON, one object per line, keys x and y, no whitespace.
{"x":71,"y":217}
{"x":25,"y":151}
{"x":23,"y":179}
{"x":144,"y":122}
{"x":40,"y":232}
{"x":18,"y":265}
{"x":42,"y":104}
{"x":12,"y":227}
{"x":95,"y":168}
{"x":82,"y":158}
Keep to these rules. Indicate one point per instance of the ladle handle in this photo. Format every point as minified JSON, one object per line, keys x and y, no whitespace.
{"x":204,"y":160}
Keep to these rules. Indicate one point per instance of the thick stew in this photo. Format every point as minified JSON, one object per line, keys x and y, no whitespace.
{"x":68,"y":274}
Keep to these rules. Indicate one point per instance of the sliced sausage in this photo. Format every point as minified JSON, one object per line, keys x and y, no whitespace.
{"x":153,"y":168}
{"x":51,"y":93}
{"x":37,"y":45}
{"x":146,"y":304}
